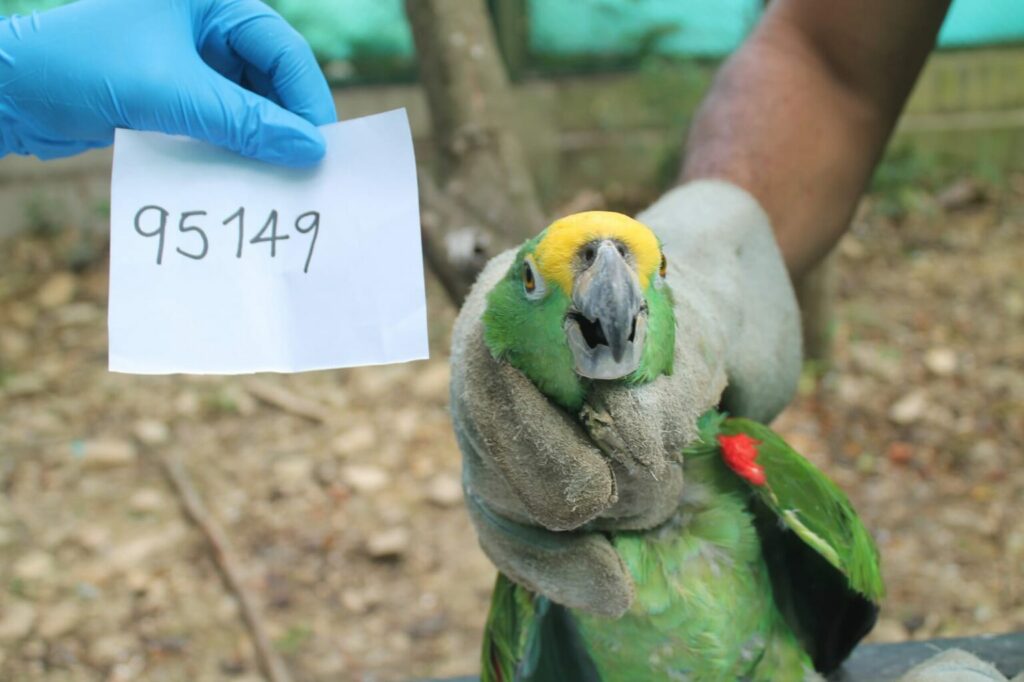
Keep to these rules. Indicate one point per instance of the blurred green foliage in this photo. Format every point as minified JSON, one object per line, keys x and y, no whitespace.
{"x":910,"y":173}
{"x":335,"y":29}
{"x":342,"y":29}
{"x":9,"y":7}
{"x":293,"y":639}
{"x":905,"y":173}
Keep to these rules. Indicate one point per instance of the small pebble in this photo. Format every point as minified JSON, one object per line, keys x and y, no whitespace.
{"x":58,"y":290}
{"x":16,"y":620}
{"x":900,"y":452}
{"x":365,"y":478}
{"x":354,"y":441}
{"x":106,"y":453}
{"x":147,"y":501}
{"x":388,"y":544}
{"x":941,"y":362}
{"x":293,"y":471}
{"x":910,"y":408}
{"x":59,"y":620}
{"x":152,"y":431}
{"x":109,"y":649}
{"x":444,"y":490}
{"x":34,"y":565}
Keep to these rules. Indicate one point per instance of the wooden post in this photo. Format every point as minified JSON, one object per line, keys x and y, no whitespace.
{"x":484,"y":200}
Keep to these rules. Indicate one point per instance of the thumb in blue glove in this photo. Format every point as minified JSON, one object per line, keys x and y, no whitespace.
{"x":230,"y":72}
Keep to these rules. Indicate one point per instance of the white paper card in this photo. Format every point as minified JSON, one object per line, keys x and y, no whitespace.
{"x":224,"y":265}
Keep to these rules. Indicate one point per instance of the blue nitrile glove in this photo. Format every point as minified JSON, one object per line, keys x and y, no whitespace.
{"x":70,"y":75}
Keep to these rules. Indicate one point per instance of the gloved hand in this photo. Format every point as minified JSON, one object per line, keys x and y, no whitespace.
{"x":541,"y":483}
{"x":728,"y":277}
{"x":956,"y":665}
{"x":70,"y":75}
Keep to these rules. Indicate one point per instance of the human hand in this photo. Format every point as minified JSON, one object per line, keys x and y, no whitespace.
{"x":230,"y":72}
{"x":733,"y":297}
{"x":956,"y":665}
{"x":531,"y":475}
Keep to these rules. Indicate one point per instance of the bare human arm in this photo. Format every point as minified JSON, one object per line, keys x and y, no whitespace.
{"x":800,"y":115}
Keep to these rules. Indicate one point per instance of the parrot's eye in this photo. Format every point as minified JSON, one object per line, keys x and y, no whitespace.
{"x":533,"y":283}
{"x":663,"y":268}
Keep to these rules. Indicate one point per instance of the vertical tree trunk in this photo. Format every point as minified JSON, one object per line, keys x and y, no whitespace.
{"x":816,"y":291}
{"x":485,"y":200}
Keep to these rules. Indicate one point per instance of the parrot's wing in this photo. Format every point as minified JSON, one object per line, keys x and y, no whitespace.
{"x":823,"y":562}
{"x":529,"y":638}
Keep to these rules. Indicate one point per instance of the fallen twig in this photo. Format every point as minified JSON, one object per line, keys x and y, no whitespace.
{"x":280,"y":397}
{"x":270,"y":662}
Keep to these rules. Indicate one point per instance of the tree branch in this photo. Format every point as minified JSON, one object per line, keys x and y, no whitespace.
{"x":270,"y":662}
{"x":484,"y":200}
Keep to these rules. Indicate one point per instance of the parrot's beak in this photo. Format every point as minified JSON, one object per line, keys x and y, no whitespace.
{"x":607,"y":322}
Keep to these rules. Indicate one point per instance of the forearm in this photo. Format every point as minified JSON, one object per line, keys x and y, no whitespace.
{"x":800,"y":115}
{"x":804,"y":153}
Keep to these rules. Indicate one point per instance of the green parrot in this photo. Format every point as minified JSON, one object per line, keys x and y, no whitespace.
{"x":763,"y":573}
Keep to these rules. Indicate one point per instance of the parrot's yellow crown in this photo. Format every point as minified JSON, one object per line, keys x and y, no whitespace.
{"x":564,"y":238}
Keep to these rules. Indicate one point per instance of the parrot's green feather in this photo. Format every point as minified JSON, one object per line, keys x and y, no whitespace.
{"x":824,"y":564}
{"x":528,"y":335}
{"x":814,"y":508}
{"x":528,"y":637}
{"x":505,"y":631}
{"x":659,"y":351}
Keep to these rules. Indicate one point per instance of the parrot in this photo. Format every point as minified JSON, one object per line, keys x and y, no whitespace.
{"x":764,"y":572}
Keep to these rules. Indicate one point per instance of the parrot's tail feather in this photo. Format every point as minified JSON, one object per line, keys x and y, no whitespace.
{"x":557,"y":651}
{"x":531,"y":639}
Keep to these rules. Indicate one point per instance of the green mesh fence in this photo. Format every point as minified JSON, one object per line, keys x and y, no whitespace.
{"x":368,"y":40}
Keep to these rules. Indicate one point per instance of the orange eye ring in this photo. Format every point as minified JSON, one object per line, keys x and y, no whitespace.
{"x":534,"y":286}
{"x":663,"y":268}
{"x":529,"y":281}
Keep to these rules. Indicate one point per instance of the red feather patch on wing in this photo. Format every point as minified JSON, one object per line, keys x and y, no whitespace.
{"x":740,"y":453}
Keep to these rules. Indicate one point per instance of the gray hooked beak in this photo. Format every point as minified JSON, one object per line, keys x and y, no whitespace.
{"x":607,"y":324}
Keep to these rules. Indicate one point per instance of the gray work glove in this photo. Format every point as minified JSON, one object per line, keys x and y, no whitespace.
{"x":956,"y":665}
{"x":540,"y":482}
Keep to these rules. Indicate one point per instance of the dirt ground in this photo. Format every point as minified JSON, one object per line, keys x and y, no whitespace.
{"x":339,"y":490}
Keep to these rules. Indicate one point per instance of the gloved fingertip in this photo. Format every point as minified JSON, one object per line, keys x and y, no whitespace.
{"x":324,"y":112}
{"x":299,"y":146}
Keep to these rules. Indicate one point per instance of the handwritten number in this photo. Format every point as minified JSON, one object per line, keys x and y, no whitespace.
{"x":306,"y":224}
{"x":240,"y":215}
{"x":183,"y":228}
{"x":158,"y":232}
{"x":273,"y":238}
{"x":311,"y":226}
